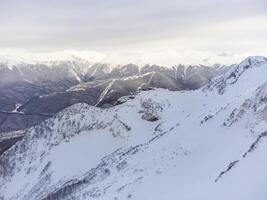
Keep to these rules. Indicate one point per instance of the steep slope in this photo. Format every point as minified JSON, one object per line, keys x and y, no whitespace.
{"x":21,"y":81}
{"x":9,"y":120}
{"x":8,"y":139}
{"x":232,"y":76}
{"x":199,"y":144}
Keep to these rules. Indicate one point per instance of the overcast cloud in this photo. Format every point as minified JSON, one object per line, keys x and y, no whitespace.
{"x":235,"y":26}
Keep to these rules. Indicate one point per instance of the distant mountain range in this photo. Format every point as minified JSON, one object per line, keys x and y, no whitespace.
{"x":31,"y":93}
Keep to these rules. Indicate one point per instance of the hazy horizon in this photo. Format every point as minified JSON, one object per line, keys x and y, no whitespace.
{"x":162,"y":32}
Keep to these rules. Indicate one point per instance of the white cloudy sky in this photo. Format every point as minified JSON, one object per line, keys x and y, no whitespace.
{"x":159,"y":31}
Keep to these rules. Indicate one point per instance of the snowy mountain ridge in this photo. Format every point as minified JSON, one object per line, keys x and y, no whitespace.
{"x":202,"y":144}
{"x":235,"y":72}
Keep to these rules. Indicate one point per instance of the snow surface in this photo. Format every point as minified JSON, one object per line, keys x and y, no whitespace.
{"x":202,"y":144}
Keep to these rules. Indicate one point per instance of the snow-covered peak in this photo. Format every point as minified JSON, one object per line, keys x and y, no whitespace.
{"x":254,"y":60}
{"x":11,"y":61}
{"x":247,"y":66}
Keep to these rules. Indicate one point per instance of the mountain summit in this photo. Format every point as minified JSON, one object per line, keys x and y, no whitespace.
{"x":236,"y":71}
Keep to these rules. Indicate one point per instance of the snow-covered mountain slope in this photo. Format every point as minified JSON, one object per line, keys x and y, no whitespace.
{"x":232,"y":76}
{"x":187,"y":145}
